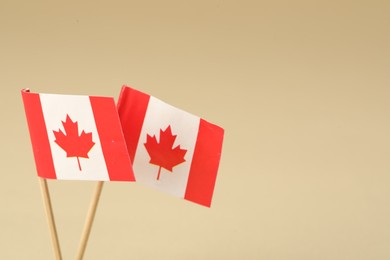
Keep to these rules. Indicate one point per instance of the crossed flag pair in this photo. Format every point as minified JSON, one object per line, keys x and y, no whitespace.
{"x":141,"y":139}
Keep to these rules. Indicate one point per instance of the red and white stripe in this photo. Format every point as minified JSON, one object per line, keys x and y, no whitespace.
{"x":193,"y":180}
{"x":108,"y":159}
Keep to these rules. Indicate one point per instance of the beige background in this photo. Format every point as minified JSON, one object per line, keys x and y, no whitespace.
{"x":301,"y":88}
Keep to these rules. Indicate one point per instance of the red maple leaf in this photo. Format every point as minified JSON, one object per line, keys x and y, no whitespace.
{"x":161,"y":153}
{"x":72,"y":143}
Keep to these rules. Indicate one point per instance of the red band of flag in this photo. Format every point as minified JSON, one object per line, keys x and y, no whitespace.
{"x":205,"y":162}
{"x":38,"y":135}
{"x":132,"y":106}
{"x":110,"y":134}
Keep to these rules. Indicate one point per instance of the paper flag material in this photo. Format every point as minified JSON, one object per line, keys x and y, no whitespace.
{"x":170,"y":149}
{"x":77,"y":137}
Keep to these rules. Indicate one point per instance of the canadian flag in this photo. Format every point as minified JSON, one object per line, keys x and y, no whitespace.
{"x":170,"y":149}
{"x":76,"y":137}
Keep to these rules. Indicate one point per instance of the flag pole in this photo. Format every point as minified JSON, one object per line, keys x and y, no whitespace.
{"x":89,"y":220}
{"x":50,"y":218}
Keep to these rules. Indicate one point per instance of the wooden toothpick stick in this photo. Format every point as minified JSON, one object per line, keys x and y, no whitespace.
{"x":50,"y":218}
{"x":89,"y":220}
